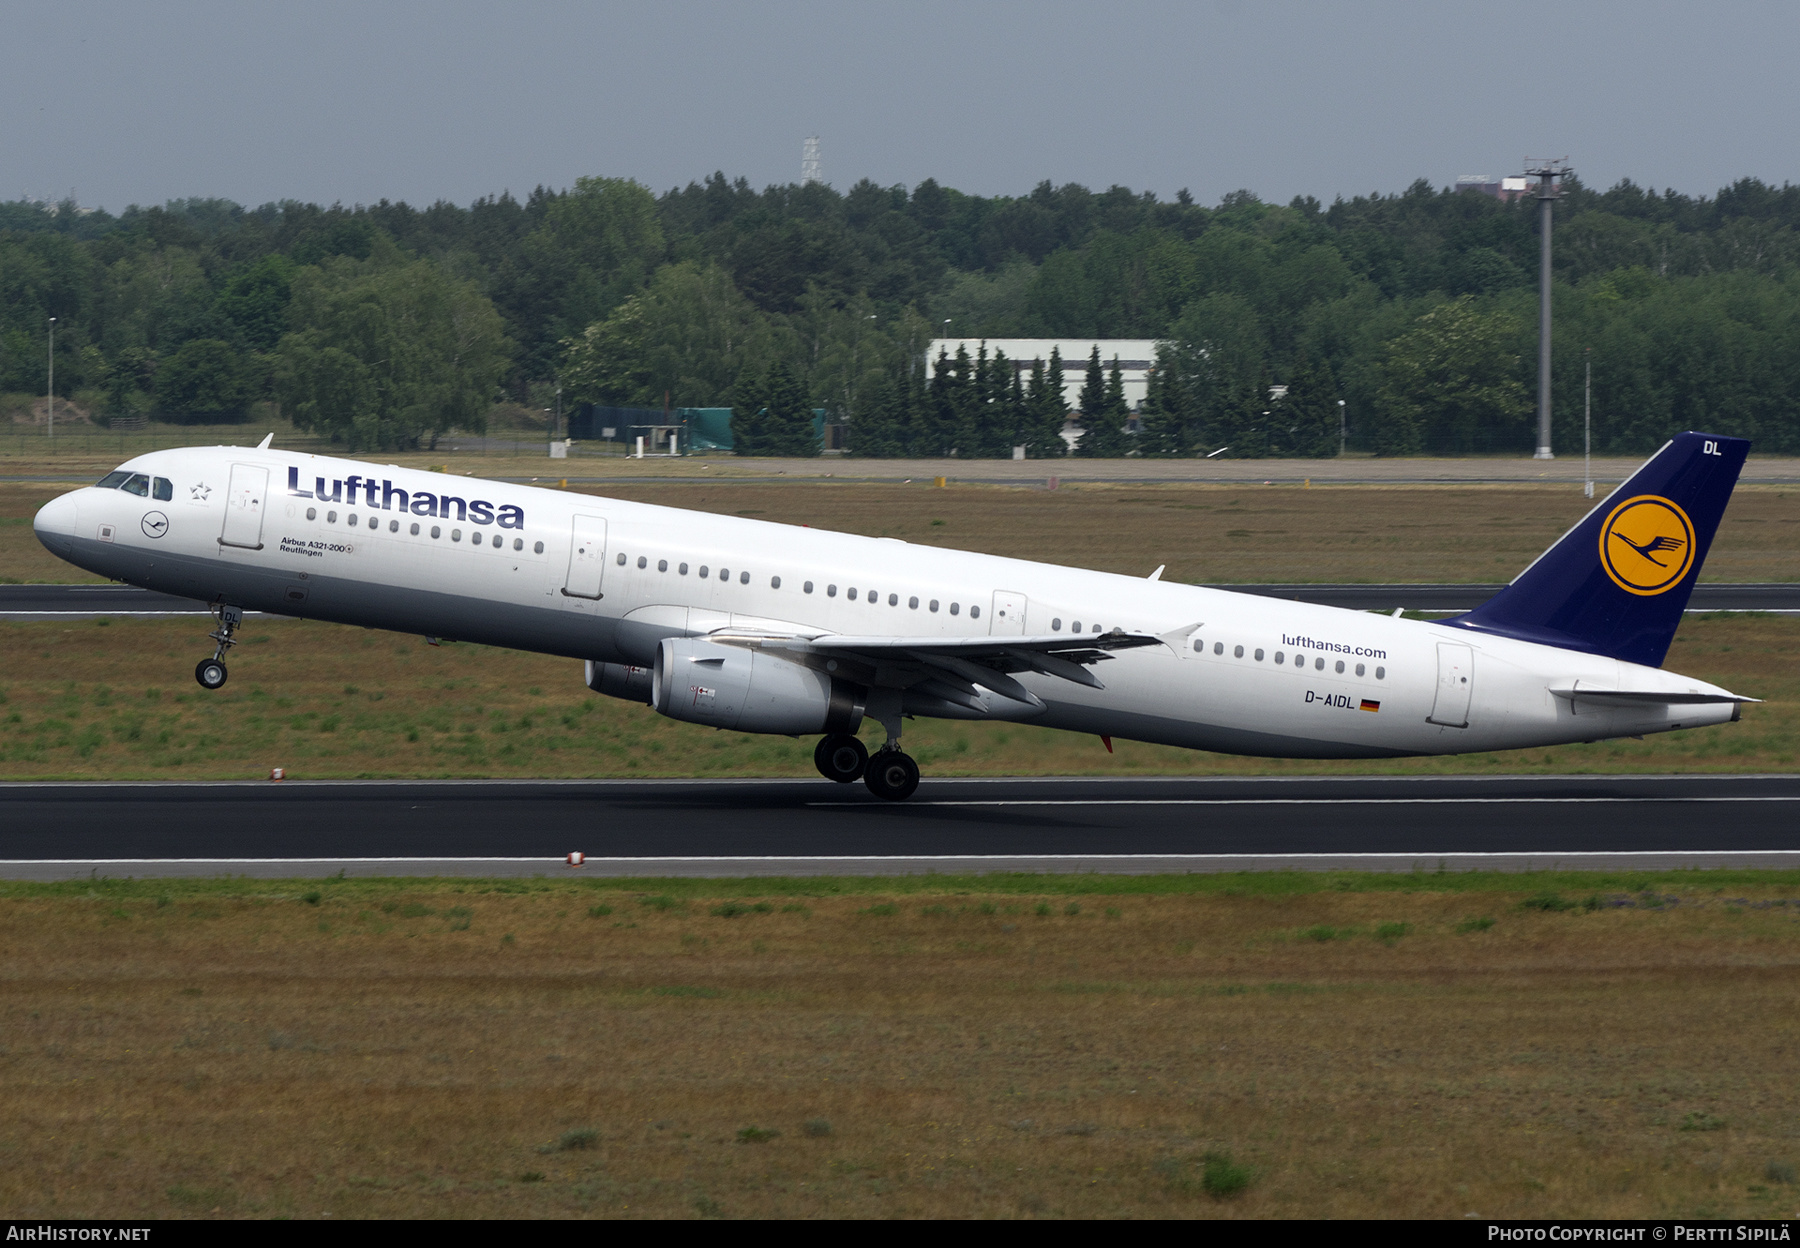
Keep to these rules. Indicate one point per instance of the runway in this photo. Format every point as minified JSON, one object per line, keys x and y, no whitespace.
{"x":796,"y":827}
{"x":51,"y":602}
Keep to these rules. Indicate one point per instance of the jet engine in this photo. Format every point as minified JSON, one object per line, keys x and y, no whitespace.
{"x":703,"y":682}
{"x":617,"y":680}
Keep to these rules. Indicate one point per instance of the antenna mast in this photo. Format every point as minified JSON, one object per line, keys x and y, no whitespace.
{"x":1548,"y":192}
{"x":809,"y":161}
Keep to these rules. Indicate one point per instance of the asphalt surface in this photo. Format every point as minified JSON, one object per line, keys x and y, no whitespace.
{"x":28,"y":602}
{"x":737,"y":828}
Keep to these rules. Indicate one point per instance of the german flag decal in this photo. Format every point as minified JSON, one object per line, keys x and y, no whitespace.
{"x":1370,"y":705}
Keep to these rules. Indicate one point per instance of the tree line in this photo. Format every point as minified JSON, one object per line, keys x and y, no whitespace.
{"x":385,"y":325}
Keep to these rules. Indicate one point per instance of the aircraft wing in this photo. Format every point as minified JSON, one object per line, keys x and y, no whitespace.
{"x":950,"y":666}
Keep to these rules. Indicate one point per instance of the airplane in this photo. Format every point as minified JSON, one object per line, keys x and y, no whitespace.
{"x":757,"y":627}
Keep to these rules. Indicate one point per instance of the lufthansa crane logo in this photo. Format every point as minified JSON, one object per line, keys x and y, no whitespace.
{"x":1647,"y":545}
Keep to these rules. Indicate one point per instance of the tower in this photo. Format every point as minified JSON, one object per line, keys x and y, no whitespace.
{"x":809,"y":161}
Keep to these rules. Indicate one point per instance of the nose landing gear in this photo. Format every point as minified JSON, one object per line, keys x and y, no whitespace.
{"x":211,"y":672}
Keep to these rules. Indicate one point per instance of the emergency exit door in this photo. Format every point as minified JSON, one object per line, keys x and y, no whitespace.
{"x":1456,"y":670}
{"x":1009,"y":614}
{"x":587,"y":557}
{"x":245,"y":502}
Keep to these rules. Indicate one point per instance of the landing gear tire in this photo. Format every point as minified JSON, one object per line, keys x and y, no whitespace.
{"x":892,"y":776}
{"x":841,"y":757}
{"x":210,"y":673}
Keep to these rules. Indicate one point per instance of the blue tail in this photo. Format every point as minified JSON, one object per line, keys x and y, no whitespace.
{"x":1617,"y":583}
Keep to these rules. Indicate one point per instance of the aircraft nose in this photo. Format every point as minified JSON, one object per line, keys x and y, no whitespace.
{"x":55,"y":524}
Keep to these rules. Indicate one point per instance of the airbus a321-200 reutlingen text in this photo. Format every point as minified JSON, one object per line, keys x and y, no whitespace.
{"x":756,"y":627}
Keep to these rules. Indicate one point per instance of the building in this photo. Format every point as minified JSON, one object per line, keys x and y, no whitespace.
{"x":1499,"y":188}
{"x":1135,"y":356}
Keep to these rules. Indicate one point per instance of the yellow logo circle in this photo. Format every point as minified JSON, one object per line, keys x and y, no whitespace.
{"x":1647,"y":545}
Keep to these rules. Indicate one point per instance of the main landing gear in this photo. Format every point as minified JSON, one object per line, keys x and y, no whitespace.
{"x":841,"y":757}
{"x":211,"y":672}
{"x":891,"y":775}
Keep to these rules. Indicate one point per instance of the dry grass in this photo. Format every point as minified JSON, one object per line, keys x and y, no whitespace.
{"x":1204,"y":533}
{"x":116,"y":699}
{"x":949,"y":1048}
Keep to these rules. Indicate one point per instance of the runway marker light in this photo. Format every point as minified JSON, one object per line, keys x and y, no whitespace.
{"x":278,"y":773}
{"x":576,"y":858}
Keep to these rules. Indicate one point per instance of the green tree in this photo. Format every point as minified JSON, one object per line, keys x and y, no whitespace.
{"x":1046,"y":411}
{"x":205,"y":382}
{"x":1163,"y":420}
{"x":1306,"y":417}
{"x":1103,"y":412}
{"x":883,"y":430}
{"x":774,"y":417}
{"x":388,"y":353}
{"x":255,"y":301}
{"x":1449,"y":380}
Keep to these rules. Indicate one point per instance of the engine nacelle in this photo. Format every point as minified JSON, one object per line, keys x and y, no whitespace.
{"x":617,"y":680}
{"x":703,"y":682}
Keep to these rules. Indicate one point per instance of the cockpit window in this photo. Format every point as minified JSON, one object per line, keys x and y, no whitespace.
{"x":112,"y":481}
{"x":161,"y":488}
{"x":138,"y":484}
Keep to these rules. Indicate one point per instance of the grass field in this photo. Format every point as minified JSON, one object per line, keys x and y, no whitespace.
{"x":116,"y":699}
{"x":1273,"y":1046}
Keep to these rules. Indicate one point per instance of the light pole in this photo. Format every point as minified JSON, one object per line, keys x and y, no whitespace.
{"x":1587,"y":423}
{"x":1343,"y":430}
{"x":1546,"y":172}
{"x":50,"y":398}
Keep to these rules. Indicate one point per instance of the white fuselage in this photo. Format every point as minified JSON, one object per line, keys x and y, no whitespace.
{"x":1267,"y":676}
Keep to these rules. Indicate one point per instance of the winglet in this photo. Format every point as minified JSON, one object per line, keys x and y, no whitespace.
{"x":1157,"y":575}
{"x":267,"y":438}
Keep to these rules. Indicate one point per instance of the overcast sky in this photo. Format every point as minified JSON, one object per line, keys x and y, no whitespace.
{"x":327,"y":100}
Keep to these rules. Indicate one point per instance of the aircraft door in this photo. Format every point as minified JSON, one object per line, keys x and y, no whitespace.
{"x":245,"y":502}
{"x":587,"y":558}
{"x":1456,"y":672}
{"x":1009,"y":614}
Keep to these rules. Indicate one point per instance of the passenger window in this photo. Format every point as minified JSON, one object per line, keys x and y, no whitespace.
{"x":1259,"y":655}
{"x":806,"y":588}
{"x":851,"y":593}
{"x":703,"y":571}
{"x":138,"y":484}
{"x":375,"y":522}
{"x":162,"y":489}
{"x":831,"y":591}
{"x":393,"y":526}
{"x":642,"y":563}
{"x":415,"y":529}
{"x":312,"y":513}
{"x":1218,"y":647}
{"x":1237,"y":652}
{"x":436,"y":532}
{"x":621,"y":558}
{"x":682,"y":570}
{"x":1278,"y":656}
{"x":743,"y":578}
{"x":913,"y":603}
{"x":537,"y":549}
{"x":1381,"y":673}
{"x":934,"y":604}
{"x":498,"y":541}
{"x":662,"y":565}
{"x":456,"y":535}
{"x":774,"y":582}
{"x":894,"y":600}
{"x":331,"y":517}
{"x":1199,"y":646}
{"x":1340,"y":667}
{"x":112,"y":481}
{"x":518,"y":542}
{"x":1319,"y":665}
{"x":1359,"y":669}
{"x":1075,"y":627}
{"x":1056,"y":627}
{"x":975,"y":613}
{"x":955,"y":608}
{"x":724,"y":573}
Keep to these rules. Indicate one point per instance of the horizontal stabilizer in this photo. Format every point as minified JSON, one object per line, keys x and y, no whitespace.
{"x":1644,"y":697}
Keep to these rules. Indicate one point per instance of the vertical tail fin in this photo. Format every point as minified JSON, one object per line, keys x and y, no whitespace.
{"x":1617,"y":583}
